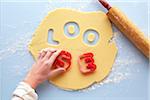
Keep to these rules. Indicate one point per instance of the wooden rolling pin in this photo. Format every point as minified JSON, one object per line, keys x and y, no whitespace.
{"x":128,"y":28}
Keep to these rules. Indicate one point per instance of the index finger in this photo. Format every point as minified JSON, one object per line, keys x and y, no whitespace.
{"x":53,"y":57}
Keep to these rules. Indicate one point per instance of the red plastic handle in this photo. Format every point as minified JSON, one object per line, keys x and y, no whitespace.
{"x":88,"y":59}
{"x":63,"y":60}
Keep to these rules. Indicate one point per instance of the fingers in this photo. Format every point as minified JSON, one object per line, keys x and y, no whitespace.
{"x":53,"y":57}
{"x":48,"y":49}
{"x":56,"y":72}
{"x":39,"y":56}
{"x":44,"y":52}
{"x":47,"y":55}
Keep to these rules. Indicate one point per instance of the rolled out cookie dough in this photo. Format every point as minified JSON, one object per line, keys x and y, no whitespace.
{"x":104,"y":51}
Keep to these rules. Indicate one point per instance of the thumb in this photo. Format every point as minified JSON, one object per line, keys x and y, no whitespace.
{"x":56,"y":72}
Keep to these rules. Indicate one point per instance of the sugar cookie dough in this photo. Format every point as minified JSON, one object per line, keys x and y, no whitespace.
{"x":104,"y":51}
{"x":91,"y":37}
{"x":71,"y":29}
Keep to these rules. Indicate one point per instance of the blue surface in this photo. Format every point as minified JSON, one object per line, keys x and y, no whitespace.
{"x":19,"y":19}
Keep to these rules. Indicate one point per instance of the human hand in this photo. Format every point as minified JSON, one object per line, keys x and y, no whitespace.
{"x":42,"y":69}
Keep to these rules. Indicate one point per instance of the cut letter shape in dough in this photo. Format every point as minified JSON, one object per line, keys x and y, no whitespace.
{"x":104,"y":51}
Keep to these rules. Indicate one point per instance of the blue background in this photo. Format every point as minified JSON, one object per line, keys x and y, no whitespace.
{"x":19,"y":19}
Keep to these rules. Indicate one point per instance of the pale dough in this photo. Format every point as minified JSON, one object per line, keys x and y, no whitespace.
{"x":104,"y":51}
{"x":91,"y":37}
{"x":71,"y":29}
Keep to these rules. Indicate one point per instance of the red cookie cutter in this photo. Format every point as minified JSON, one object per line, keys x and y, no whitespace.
{"x":63,"y":60}
{"x":88,"y":59}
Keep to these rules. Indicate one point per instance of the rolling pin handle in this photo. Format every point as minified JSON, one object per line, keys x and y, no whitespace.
{"x":105,"y":4}
{"x":127,"y":27}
